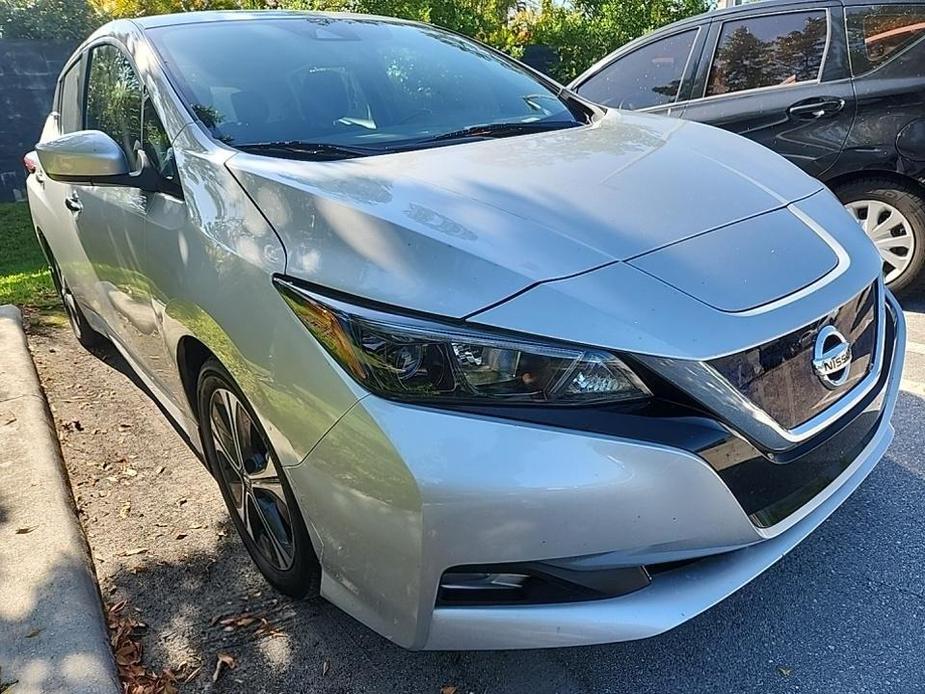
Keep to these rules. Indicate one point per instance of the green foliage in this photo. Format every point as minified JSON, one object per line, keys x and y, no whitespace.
{"x":587,"y":30}
{"x":24,"y":277}
{"x":62,"y":20}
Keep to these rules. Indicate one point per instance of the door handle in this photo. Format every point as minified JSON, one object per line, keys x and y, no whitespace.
{"x":73,"y":203}
{"x":817,"y":108}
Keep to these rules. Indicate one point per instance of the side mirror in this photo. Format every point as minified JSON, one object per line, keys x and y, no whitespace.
{"x":91,"y":157}
{"x":82,"y":157}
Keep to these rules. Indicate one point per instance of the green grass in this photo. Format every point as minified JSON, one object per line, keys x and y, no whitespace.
{"x":24,"y":277}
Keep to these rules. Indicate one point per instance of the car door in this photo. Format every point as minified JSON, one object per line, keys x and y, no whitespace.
{"x":112,"y":220}
{"x":780,"y":78}
{"x":887,"y":49}
{"x":53,"y":207}
{"x":650,"y":76}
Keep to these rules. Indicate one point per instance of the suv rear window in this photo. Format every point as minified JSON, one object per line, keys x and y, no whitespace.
{"x":877,"y":33}
{"x":768,"y":51}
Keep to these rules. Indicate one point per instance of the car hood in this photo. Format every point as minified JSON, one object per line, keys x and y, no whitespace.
{"x":451,"y":230}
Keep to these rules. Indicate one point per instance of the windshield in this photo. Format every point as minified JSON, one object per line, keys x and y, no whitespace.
{"x":368,"y":84}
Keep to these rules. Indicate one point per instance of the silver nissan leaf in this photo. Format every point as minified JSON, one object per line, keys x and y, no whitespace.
{"x":482,"y":363}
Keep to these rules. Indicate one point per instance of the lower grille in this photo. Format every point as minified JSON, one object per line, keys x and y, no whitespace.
{"x":778,"y":376}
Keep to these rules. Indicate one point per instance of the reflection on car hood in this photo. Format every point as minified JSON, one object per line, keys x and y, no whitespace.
{"x":451,"y":230}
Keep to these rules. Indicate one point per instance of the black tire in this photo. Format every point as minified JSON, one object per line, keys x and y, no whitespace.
{"x":275,"y":535}
{"x":88,"y":338}
{"x":905,"y":198}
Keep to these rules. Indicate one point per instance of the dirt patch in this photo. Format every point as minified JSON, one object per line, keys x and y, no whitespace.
{"x":161,"y":541}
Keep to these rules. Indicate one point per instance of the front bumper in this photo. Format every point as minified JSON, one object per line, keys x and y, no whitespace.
{"x":399,"y":494}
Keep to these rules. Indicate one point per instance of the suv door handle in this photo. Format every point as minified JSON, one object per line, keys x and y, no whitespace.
{"x":73,"y":203}
{"x":817,"y":108}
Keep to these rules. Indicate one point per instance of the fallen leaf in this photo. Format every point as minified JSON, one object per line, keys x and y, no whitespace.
{"x":133,"y":552}
{"x":161,"y":469}
{"x":25,"y":531}
{"x":223,"y":661}
{"x":33,"y":633}
{"x":325,"y":667}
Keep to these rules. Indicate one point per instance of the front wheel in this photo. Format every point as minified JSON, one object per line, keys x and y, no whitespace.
{"x":255,"y":490}
{"x":892,"y":214}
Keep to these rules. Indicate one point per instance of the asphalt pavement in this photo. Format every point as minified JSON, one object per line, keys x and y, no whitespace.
{"x":843,"y":613}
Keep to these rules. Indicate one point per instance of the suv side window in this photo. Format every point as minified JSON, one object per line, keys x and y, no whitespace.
{"x":770,"y":50}
{"x":69,"y":100}
{"x":877,"y":33}
{"x":114,"y":97}
{"x":648,"y":76}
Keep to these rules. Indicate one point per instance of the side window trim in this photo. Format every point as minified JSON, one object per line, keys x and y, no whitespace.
{"x":715,"y":47}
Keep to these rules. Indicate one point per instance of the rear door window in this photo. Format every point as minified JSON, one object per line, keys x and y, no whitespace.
{"x":649,"y":76}
{"x":69,"y":99}
{"x":769,"y":51}
{"x":877,"y":33}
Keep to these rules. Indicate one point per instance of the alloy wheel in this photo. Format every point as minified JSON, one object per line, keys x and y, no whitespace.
{"x":252,"y":479}
{"x":891,"y":233}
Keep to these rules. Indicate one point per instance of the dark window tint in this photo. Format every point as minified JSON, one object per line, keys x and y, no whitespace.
{"x":649,"y":76}
{"x":346,"y":81}
{"x":774,"y":50}
{"x":114,"y":98}
{"x":69,"y":103}
{"x":879,"y":32}
{"x":156,"y":144}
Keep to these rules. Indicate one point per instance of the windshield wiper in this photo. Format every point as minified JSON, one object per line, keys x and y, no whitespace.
{"x":320,"y":150}
{"x":500,"y":130}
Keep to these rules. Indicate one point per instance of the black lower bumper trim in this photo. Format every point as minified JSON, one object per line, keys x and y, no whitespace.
{"x":537,"y":583}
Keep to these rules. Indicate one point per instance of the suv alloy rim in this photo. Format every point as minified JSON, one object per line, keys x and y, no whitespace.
{"x":248,"y":470}
{"x":891,"y":233}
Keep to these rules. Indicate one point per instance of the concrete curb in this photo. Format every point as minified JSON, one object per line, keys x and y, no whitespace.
{"x":53,"y":637}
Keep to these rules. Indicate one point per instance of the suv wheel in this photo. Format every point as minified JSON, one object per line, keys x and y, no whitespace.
{"x":893,"y":215}
{"x":255,"y":490}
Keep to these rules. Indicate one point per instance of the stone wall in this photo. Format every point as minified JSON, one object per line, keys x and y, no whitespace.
{"x":28,"y":73}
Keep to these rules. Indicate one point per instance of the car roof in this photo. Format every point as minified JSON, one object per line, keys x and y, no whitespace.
{"x":760,"y":5}
{"x":163,"y":20}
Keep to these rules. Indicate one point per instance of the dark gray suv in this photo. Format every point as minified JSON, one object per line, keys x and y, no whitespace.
{"x":836,"y":87}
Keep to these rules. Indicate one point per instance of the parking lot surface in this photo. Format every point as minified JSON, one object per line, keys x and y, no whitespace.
{"x":844,"y":612}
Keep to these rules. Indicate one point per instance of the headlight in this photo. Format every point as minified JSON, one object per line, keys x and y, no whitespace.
{"x":418,"y":360}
